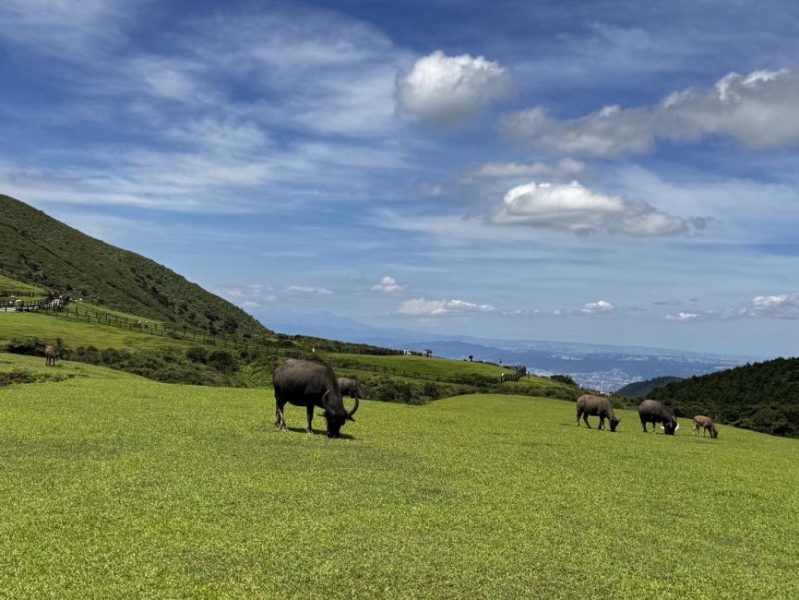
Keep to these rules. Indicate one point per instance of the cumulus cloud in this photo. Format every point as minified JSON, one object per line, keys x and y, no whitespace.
{"x":760,"y":110}
{"x":388,"y":285}
{"x":566,"y":167}
{"x":682,"y":316}
{"x":576,"y":209}
{"x":599,"y":307}
{"x":783,"y":306}
{"x":305,"y":289}
{"x":420,"y":307}
{"x":449,"y":90}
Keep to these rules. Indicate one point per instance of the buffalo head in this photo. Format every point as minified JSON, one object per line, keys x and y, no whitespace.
{"x":335,"y":413}
{"x":671,"y":427}
{"x":614,"y":422}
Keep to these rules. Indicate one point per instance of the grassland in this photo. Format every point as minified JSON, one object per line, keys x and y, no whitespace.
{"x":137,"y":489}
{"x":421,"y":365}
{"x":64,"y":369}
{"x":76,"y":332}
{"x":12,"y":285}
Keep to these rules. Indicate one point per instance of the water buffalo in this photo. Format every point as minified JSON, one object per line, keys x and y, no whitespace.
{"x":596,"y":406}
{"x":350,"y":387}
{"x":310,"y":384}
{"x":705,"y":424}
{"x":652,"y":411}
{"x":50,"y":356}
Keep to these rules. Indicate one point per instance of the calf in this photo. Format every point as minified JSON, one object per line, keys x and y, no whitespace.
{"x":705,"y":424}
{"x":50,"y":356}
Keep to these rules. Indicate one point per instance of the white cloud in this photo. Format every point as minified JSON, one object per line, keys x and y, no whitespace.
{"x":305,"y":289}
{"x":434,"y":308}
{"x":448,"y":90}
{"x":566,"y":167}
{"x":431,"y":190}
{"x":388,"y":285}
{"x":683,"y":316}
{"x":247,"y":296}
{"x":783,"y":306}
{"x":760,"y":110}
{"x":576,"y":209}
{"x":598,"y":307}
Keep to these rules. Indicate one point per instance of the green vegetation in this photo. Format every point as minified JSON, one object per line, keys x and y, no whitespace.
{"x":41,"y":251}
{"x":12,"y":285}
{"x":138,"y":489}
{"x":762,"y":397}
{"x":642,"y":389}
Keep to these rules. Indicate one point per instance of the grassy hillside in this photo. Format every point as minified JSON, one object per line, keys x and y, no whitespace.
{"x":131,"y":489}
{"x":642,"y":389}
{"x":42,"y":251}
{"x":763,"y":396}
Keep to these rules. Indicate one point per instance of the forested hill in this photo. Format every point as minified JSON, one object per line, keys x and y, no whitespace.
{"x":40,"y":250}
{"x":642,"y":389}
{"x":762,"y":396}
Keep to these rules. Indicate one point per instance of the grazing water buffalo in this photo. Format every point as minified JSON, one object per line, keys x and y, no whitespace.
{"x":705,"y":424}
{"x":350,"y":387}
{"x":310,"y":384}
{"x":652,"y":411}
{"x":596,"y":406}
{"x":50,"y":356}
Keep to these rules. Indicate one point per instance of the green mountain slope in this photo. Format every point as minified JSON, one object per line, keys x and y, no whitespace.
{"x":763,"y":396}
{"x":642,"y":389}
{"x":41,"y":251}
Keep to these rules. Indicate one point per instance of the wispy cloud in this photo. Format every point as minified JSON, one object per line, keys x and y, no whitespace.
{"x":306,"y":289}
{"x":421,"y":307}
{"x":760,"y":110}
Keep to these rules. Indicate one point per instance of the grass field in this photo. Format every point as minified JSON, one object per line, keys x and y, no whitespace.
{"x":419,"y":364}
{"x":76,"y":332}
{"x":65,"y":368}
{"x":7,"y":284}
{"x":137,"y":489}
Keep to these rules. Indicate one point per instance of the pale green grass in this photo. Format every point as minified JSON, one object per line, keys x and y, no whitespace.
{"x":8,"y":284}
{"x":36,"y":364}
{"x":134,"y":489}
{"x":76,"y":332}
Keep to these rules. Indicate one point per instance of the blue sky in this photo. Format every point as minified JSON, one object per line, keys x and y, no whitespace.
{"x":616,"y":172}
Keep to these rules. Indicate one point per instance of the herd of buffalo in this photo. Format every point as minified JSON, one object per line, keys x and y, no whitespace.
{"x":313,"y":384}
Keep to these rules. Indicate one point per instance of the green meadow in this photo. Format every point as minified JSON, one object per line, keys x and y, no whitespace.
{"x":130,"y":488}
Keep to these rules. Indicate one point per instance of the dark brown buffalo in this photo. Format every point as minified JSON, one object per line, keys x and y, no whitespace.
{"x":50,"y":356}
{"x":310,"y":384}
{"x":596,"y":406}
{"x":652,"y":411}
{"x":706,"y":424}
{"x":350,"y":387}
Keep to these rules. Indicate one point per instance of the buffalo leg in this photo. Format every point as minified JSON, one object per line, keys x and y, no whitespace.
{"x":579,"y":414}
{"x":280,"y":417}
{"x":585,"y":420}
{"x":602,"y":423}
{"x":309,"y":410}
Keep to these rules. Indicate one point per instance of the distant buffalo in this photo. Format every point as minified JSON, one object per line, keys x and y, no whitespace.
{"x":50,"y":356}
{"x":350,"y":387}
{"x":310,"y":384}
{"x":596,"y":406}
{"x":652,"y":411}
{"x":706,"y":424}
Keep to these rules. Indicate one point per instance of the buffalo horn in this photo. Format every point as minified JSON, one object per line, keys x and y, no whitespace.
{"x":353,"y":411}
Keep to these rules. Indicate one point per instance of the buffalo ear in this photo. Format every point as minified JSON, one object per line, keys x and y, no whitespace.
{"x":349,"y":418}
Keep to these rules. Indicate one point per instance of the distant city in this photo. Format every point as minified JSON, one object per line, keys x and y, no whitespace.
{"x":605,"y":368}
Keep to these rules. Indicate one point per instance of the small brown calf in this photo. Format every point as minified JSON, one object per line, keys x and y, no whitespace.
{"x":705,"y":424}
{"x":50,"y":356}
